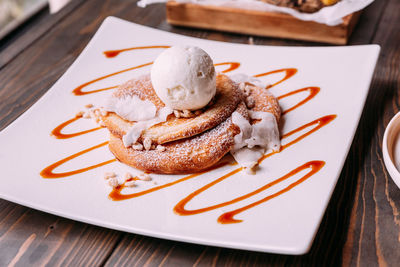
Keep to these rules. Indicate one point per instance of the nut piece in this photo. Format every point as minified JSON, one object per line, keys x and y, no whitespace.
{"x":177,"y":113}
{"x":144,"y":177}
{"x":187,"y":113}
{"x":86,"y":115}
{"x":92,"y":114}
{"x":160,"y":148}
{"x":251,"y":169}
{"x":103,"y":112}
{"x":147,"y":143}
{"x":137,"y":146}
{"x":247,"y":90}
{"x":250,"y":102}
{"x":79,"y":114}
{"x":113,"y":182}
{"x":88,"y":105}
{"x":109,"y":175}
{"x":242,"y":86}
{"x":128,"y":175}
{"x":130,"y":184}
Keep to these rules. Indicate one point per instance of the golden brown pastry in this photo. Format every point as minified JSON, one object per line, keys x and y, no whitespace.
{"x":225,"y":102}
{"x":189,"y":144}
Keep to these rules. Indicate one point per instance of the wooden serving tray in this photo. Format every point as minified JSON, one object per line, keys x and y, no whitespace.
{"x":259,"y":23}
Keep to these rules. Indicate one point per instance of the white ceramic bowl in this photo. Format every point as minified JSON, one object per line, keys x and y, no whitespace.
{"x":391,"y":148}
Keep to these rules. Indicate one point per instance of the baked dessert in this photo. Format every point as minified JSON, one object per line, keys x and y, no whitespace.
{"x":306,"y":6}
{"x":158,"y":136}
{"x":176,"y":126}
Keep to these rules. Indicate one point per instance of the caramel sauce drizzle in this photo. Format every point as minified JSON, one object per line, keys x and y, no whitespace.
{"x":315,"y":166}
{"x":114,"y":53}
{"x":232,"y":66}
{"x":180,"y":207}
{"x":313,"y":91}
{"x":59,"y":135}
{"x":228,"y":217}
{"x":289,"y":72}
{"x":78,"y":90}
{"x":319,"y":123}
{"x":116,"y":194}
{"x":48,"y":172}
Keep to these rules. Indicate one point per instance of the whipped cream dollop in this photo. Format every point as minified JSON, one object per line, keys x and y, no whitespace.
{"x":143,"y":112}
{"x":184,"y":77}
{"x":253,"y":140}
{"x":131,"y":108}
{"x":136,"y":130}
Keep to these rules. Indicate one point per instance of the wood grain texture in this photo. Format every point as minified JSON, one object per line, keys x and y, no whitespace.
{"x":29,"y":237}
{"x":375,"y":224}
{"x":361,"y":226}
{"x":31,"y":32}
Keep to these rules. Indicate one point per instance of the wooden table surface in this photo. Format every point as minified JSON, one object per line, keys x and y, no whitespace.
{"x":360,"y":227}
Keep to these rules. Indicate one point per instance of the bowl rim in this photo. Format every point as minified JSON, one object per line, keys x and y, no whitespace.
{"x":392,"y":129}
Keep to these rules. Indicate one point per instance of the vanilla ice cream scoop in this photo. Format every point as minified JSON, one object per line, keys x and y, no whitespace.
{"x":183,"y":77}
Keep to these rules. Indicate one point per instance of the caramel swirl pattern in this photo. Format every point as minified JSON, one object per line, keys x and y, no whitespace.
{"x":227,"y":217}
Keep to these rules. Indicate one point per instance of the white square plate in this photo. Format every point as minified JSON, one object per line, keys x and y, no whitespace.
{"x":284,"y":224}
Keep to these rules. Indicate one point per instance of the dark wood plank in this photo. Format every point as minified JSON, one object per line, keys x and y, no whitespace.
{"x":28,"y":33}
{"x":348,"y":229}
{"x":29,"y":237}
{"x":368,"y":23}
{"x":374,"y":230}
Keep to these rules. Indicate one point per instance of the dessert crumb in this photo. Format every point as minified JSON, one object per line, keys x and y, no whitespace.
{"x":187,"y":113}
{"x":250,"y":102}
{"x":79,"y":114}
{"x":103,"y":112}
{"x":109,"y":175}
{"x":130,"y":184}
{"x":86,"y":115}
{"x":137,"y":146}
{"x":92,"y":114}
{"x":247,"y":90}
{"x":251,"y":169}
{"x":88,"y":105}
{"x":160,"y":148}
{"x":177,"y":114}
{"x":144,"y":177}
{"x":113,"y":182}
{"x":128,"y":175}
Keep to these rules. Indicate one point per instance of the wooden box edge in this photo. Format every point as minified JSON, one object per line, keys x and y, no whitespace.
{"x":259,"y":23}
